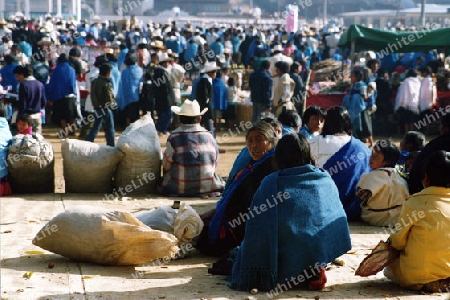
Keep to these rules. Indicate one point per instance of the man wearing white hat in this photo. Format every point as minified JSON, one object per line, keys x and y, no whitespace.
{"x":191,"y":156}
{"x":163,"y":93}
{"x":204,"y":94}
{"x":278,"y":56}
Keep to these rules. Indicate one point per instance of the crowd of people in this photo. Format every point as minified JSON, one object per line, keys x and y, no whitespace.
{"x":302,"y":175}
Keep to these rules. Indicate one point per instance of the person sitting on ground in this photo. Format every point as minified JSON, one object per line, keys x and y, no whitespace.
{"x":424,"y":237}
{"x":382,"y":191}
{"x":191,"y":156}
{"x":5,"y":137}
{"x":291,"y":121}
{"x":410,"y":146}
{"x":224,"y":229}
{"x":24,"y":124}
{"x":442,"y":142}
{"x":306,"y":211}
{"x":343,"y":156}
{"x":244,"y":157}
{"x":313,"y":120}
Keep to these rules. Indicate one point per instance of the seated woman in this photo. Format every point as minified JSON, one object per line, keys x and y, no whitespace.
{"x":313,"y":120}
{"x":300,"y":227}
{"x":244,"y":157}
{"x":424,"y":237}
{"x":410,"y":146}
{"x":290,"y":120}
{"x":343,"y":156}
{"x":226,"y":228}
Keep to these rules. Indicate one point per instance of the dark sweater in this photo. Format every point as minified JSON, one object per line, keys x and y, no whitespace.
{"x":31,"y":96}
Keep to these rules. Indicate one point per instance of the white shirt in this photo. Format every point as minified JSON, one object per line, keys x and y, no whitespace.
{"x":323,"y":148}
{"x":427,"y":93}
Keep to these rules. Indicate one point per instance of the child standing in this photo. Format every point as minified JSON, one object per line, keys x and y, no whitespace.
{"x":382,"y":191}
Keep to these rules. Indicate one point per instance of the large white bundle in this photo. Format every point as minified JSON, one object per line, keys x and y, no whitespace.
{"x":88,"y":167}
{"x":140,"y":168}
{"x":101,"y":236}
{"x":30,"y":164}
{"x":185,"y":223}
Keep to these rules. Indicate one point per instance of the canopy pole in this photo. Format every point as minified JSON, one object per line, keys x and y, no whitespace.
{"x":352,"y":54}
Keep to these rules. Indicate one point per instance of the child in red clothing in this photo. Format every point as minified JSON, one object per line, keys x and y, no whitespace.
{"x":24,"y":124}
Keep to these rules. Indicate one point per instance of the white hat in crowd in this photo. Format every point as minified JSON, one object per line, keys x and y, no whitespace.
{"x":210,"y":66}
{"x":189,"y":109}
{"x":162,"y":57}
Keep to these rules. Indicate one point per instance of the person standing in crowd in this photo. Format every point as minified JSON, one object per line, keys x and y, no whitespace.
{"x":300,"y":89}
{"x":261,"y":85}
{"x":204,"y":94}
{"x":62,"y":92}
{"x":278,"y":56}
{"x":407,"y":100}
{"x":128,"y":94}
{"x":283,"y":89}
{"x":163,"y":93}
{"x":428,"y":94}
{"x":102,"y":95}
{"x":7,"y":73}
{"x":31,"y":95}
{"x":383,"y":102}
{"x":176,"y":77}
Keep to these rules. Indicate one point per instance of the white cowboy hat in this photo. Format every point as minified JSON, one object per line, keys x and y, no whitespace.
{"x":162,"y":57}
{"x":210,"y":66}
{"x":46,"y":40}
{"x":157,"y":45}
{"x":278,"y":48}
{"x":189,"y":109}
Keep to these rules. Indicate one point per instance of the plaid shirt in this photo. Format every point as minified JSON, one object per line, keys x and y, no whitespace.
{"x":190,"y":161}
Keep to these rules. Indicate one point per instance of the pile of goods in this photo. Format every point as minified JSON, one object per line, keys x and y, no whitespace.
{"x":330,"y":70}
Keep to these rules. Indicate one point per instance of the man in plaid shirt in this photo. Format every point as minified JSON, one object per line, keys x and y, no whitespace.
{"x":191,"y":156}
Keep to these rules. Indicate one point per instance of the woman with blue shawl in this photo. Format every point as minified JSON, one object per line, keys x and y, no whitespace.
{"x":343,"y":156}
{"x":225,"y":226}
{"x":291,"y":240}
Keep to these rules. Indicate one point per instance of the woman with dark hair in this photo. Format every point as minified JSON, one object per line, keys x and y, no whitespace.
{"x":224,"y":227}
{"x":343,"y":156}
{"x":424,"y":238}
{"x":291,"y":121}
{"x":407,"y":101}
{"x":298,"y":205}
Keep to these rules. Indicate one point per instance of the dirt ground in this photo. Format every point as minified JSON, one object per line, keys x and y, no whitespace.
{"x":22,"y":216}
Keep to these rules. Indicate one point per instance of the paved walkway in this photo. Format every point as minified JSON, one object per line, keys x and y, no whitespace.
{"x":23,"y":217}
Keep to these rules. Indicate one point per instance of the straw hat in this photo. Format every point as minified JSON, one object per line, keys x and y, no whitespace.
{"x":3,"y":22}
{"x":210,"y":66}
{"x":162,"y":57}
{"x":157,"y":45}
{"x":189,"y":109}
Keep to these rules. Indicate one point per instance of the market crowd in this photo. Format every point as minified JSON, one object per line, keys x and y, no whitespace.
{"x":326,"y":163}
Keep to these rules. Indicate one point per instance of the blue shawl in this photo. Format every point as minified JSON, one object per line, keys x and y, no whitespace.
{"x":306,"y":226}
{"x":216,"y":222}
{"x":355,"y":104}
{"x":241,"y":161}
{"x":346,"y":167}
{"x":129,"y":86}
{"x":220,"y":95}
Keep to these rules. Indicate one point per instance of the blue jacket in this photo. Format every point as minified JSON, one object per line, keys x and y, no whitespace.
{"x":5,"y":137}
{"x":115,"y":78}
{"x":261,"y":87}
{"x":129,"y":86}
{"x":190,"y":52}
{"x":62,"y":82}
{"x":121,"y":58}
{"x":9,"y":78}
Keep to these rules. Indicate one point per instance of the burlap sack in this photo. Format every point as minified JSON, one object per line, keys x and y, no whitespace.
{"x":102,"y":236}
{"x":141,"y":165}
{"x":88,"y":167}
